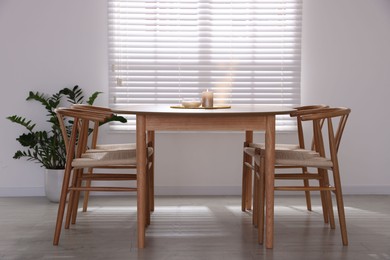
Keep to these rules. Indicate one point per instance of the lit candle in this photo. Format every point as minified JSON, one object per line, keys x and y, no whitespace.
{"x":207,"y":99}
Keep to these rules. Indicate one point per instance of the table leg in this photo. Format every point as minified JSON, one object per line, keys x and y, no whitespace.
{"x":269,"y":178}
{"x":141,"y":179}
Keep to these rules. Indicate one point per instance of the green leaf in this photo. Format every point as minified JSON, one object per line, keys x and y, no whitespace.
{"x":93,"y":97}
{"x":28,"y":140}
{"x":22,"y":121}
{"x":74,"y":95}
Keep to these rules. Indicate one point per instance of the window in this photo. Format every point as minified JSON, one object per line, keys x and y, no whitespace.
{"x":245,"y":51}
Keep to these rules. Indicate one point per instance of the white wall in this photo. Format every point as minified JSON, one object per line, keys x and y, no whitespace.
{"x":346,"y":62}
{"x":46,"y":45}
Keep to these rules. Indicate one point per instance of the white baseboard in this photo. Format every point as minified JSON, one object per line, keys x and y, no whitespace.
{"x":196,"y":191}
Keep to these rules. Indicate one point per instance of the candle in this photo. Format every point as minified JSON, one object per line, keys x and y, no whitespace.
{"x":207,"y":99}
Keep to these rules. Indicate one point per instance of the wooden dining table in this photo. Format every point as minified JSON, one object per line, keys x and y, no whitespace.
{"x":245,"y":118}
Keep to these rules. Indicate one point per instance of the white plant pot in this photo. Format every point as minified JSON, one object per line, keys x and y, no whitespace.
{"x":53,"y":184}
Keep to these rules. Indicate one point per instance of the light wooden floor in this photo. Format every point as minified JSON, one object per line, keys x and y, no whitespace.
{"x":193,"y":228}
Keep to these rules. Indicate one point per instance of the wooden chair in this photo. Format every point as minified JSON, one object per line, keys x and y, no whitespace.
{"x":80,"y":157}
{"x":248,"y":165}
{"x":95,"y":147}
{"x":313,"y":159}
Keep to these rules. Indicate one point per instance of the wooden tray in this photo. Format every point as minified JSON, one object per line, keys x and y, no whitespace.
{"x":214,"y":107}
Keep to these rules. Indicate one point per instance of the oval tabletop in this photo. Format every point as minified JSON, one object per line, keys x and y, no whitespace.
{"x":232,"y":109}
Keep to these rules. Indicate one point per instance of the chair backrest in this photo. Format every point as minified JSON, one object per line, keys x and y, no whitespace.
{"x":80,"y":128}
{"x":97,"y":110}
{"x":298,"y":113}
{"x":331,"y":116}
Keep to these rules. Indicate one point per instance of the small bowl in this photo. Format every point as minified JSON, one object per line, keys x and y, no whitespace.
{"x":190,"y":103}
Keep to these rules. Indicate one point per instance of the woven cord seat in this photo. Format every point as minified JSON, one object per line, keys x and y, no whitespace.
{"x":293,"y":157}
{"x":111,"y":157}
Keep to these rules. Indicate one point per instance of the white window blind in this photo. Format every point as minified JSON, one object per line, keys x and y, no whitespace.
{"x":244,"y":51}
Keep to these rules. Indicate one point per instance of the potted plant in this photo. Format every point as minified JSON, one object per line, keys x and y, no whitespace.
{"x":47,"y":147}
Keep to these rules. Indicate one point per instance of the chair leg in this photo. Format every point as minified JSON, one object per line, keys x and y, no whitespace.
{"x":306,"y":184}
{"x":71,"y":198}
{"x":86,"y":193}
{"x":151,"y":189}
{"x":244,"y":183}
{"x":76,"y":198}
{"x":323,"y":197}
{"x":255,"y":212}
{"x":260,"y":179}
{"x":330,"y":209}
{"x":340,"y":205}
{"x":329,"y":201}
{"x":151,"y":142}
{"x":248,"y":196}
{"x":61,"y":207}
{"x":147,"y":208}
{"x":86,"y":197}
